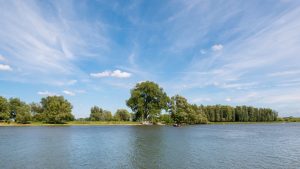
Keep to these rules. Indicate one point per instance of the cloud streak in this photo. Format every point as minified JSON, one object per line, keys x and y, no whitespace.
{"x":46,"y":93}
{"x":47,"y":45}
{"x":70,"y":93}
{"x":116,"y":73}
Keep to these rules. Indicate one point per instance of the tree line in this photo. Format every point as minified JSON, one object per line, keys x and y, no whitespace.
{"x":52,"y":110}
{"x":147,"y":101}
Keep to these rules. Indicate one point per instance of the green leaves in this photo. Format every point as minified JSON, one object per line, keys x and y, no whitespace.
{"x":122,"y":115}
{"x":56,"y":109}
{"x":183,"y":112}
{"x":4,"y":109}
{"x":23,"y":114}
{"x":147,"y":100}
{"x":221,"y":113}
{"x":98,"y":114}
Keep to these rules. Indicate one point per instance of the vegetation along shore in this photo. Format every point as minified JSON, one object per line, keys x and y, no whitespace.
{"x":149,"y":104}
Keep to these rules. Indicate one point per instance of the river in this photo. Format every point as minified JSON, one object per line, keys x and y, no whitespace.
{"x":233,"y":146}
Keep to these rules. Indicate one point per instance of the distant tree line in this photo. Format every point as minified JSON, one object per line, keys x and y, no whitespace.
{"x":147,"y":101}
{"x":221,"y":113}
{"x":52,"y":109}
{"x":98,"y":114}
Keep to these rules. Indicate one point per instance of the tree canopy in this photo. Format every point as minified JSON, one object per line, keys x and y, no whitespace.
{"x":98,"y":114}
{"x":4,"y":109}
{"x":183,"y":112}
{"x":147,"y":100}
{"x":56,"y":109}
{"x":122,"y":115}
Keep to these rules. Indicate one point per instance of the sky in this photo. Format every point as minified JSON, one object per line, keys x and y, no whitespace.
{"x":231,"y":52}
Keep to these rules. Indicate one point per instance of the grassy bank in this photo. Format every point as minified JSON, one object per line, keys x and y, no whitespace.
{"x":75,"y":123}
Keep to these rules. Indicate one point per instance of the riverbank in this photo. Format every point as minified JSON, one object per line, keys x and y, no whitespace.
{"x":119,"y":123}
{"x":74,"y":123}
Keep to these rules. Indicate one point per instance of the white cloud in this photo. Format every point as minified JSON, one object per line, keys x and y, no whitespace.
{"x":5,"y":67}
{"x":101,"y":74}
{"x":50,"y":52}
{"x":115,"y":73}
{"x":217,"y":47}
{"x":67,"y":92}
{"x":64,"y":83}
{"x":228,"y":99}
{"x":46,"y":93}
{"x":285,"y":73}
{"x":120,"y":74}
{"x":2,"y":58}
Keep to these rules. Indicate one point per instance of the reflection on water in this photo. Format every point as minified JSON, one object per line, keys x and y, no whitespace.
{"x":204,"y":146}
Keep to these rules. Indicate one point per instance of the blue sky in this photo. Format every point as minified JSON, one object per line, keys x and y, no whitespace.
{"x":93,"y":52}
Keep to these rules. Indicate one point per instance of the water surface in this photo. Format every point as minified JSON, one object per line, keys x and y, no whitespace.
{"x":237,"y":146}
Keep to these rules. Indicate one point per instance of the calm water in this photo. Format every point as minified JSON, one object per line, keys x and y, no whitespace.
{"x":205,"y":146}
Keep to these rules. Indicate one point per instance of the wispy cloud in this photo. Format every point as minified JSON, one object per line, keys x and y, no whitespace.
{"x":70,"y":93}
{"x":115,"y":73}
{"x":45,"y":46}
{"x":285,"y":73}
{"x":46,"y":93}
{"x":4,"y":67}
{"x":217,"y":47}
{"x":2,"y":58}
{"x":262,"y":58}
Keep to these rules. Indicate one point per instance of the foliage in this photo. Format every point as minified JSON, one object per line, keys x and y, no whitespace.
{"x":219,"y":113}
{"x":37,"y":112}
{"x":15,"y":106}
{"x":147,"y":100}
{"x":23,"y":116}
{"x":4,"y":109}
{"x":98,"y":114}
{"x":19,"y":111}
{"x":56,"y":109}
{"x":291,"y":119}
{"x":122,"y":115}
{"x":183,"y":112}
{"x":166,"y":118}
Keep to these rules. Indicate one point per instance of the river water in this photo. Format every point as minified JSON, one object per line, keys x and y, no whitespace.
{"x":237,"y":146}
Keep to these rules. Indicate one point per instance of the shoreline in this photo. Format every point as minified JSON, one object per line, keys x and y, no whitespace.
{"x":122,"y":123}
{"x":73,"y":123}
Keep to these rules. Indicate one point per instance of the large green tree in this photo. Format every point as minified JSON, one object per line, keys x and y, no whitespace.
{"x":56,"y":109}
{"x":4,"y":109}
{"x":147,"y":100}
{"x":122,"y":115}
